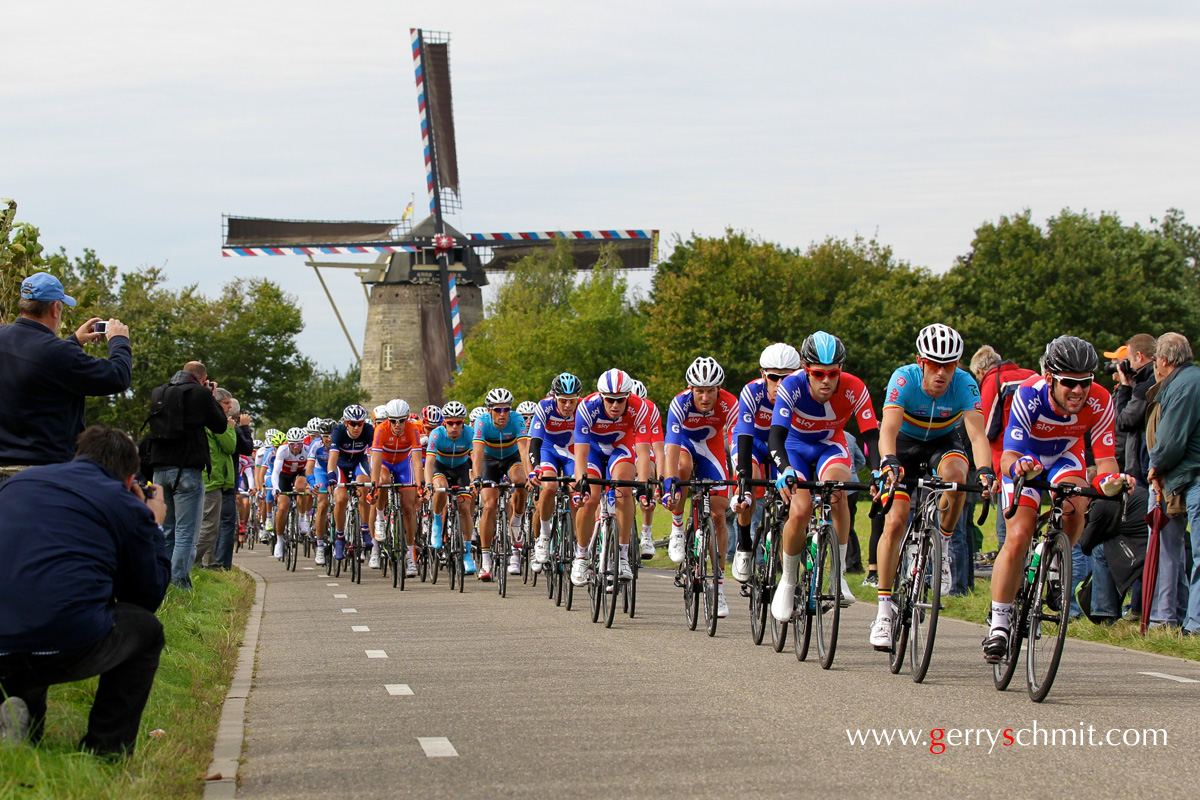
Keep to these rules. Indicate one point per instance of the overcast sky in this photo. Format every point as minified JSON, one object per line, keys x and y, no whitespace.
{"x":130,"y":127}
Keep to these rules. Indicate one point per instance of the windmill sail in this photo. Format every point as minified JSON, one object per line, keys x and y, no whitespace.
{"x":437,"y":83}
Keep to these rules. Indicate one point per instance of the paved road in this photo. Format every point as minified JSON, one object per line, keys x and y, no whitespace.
{"x":539,"y":702}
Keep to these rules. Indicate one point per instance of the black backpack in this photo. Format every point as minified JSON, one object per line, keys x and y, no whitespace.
{"x":166,"y":412}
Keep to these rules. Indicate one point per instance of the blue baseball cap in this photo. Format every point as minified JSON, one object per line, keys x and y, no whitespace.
{"x":44,"y":286}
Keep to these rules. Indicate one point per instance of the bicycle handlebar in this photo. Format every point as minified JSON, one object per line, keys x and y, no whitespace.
{"x":1065,"y":489}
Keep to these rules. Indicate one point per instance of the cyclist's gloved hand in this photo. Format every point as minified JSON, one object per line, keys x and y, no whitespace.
{"x":1113,"y":483}
{"x":1026,"y":465}
{"x":582,"y":489}
{"x":670,"y":489}
{"x":786,"y":478}
{"x":644,"y":495}
{"x":986,"y":478}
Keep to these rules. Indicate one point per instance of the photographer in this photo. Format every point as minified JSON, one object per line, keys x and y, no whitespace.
{"x":82,"y":570}
{"x":1134,"y":375}
{"x":180,"y":412}
{"x":43,"y":377}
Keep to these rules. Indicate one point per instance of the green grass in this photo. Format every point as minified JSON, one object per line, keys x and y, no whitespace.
{"x":975,"y":606}
{"x":203,"y":628}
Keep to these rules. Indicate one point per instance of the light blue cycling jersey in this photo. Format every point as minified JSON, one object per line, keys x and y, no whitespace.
{"x":927,"y":418}
{"x":500,"y":442}
{"x":451,"y":452}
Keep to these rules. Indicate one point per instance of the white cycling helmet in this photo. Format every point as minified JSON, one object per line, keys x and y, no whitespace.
{"x":476,"y":413}
{"x":258,"y":443}
{"x":312,"y":425}
{"x":453,"y":410}
{"x":379,"y":413}
{"x":639,"y":388}
{"x":938,"y":342}
{"x":354,"y":413}
{"x":295,"y":435}
{"x":779,"y":357}
{"x":615,"y":382}
{"x":397,"y":409}
{"x":498,"y":397}
{"x":705,"y":371}
{"x":527,"y":408}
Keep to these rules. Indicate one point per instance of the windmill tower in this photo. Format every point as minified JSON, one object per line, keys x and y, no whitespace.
{"x":424,"y":291}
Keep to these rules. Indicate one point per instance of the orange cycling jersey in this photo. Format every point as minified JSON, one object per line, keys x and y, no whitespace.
{"x":397,"y":446}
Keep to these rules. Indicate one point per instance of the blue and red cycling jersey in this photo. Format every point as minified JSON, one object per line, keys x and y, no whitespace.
{"x":813,"y":423}
{"x":557,"y":434}
{"x":612,"y":440}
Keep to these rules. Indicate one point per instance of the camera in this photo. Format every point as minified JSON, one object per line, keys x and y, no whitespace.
{"x":100,"y":327}
{"x":1123,"y":366}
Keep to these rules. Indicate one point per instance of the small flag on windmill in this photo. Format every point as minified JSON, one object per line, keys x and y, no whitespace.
{"x":408,"y":211}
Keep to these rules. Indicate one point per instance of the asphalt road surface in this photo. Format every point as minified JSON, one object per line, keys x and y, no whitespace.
{"x":480,"y":696}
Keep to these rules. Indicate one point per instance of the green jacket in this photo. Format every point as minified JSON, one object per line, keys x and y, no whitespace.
{"x":1176,"y":451}
{"x":220,"y":449}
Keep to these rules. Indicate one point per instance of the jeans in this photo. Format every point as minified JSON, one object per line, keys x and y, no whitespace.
{"x":1171,"y":588}
{"x":1105,"y":600}
{"x":210,"y":523}
{"x":185,"y":507}
{"x":229,"y":526}
{"x":1192,"y":621}
{"x":962,"y":566}
{"x":125,"y":659}
{"x":1081,"y":567}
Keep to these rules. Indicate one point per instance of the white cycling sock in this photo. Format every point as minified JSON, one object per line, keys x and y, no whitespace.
{"x":791,"y":568}
{"x":546,"y":527}
{"x":625,"y":552}
{"x":580,"y":552}
{"x":842,"y":548}
{"x":412,"y":555}
{"x":647,"y":529}
{"x":677,"y":520}
{"x":1001,"y":616}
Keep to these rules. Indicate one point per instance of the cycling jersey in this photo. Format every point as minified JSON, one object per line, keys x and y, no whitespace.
{"x":451,"y":452}
{"x":245,"y":473}
{"x":816,"y":432}
{"x":558,"y":437}
{"x":703,"y":433}
{"x":925,"y":417}
{"x":500,"y":443}
{"x":755,"y":411}
{"x":287,"y":463}
{"x":352,"y":450}
{"x":396,"y":446}
{"x":611,"y":441}
{"x":318,"y":456}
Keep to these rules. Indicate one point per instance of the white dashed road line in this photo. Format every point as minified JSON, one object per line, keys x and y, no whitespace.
{"x":360,"y":628}
{"x":349,"y":610}
{"x":340,"y":596}
{"x":398,"y":689}
{"x":376,"y":654}
{"x":1175,"y":678}
{"x":437,"y":746}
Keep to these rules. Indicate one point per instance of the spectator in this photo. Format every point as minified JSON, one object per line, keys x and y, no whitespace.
{"x":858,"y":460}
{"x":84,"y":605}
{"x":184,"y":407}
{"x":221,"y":477}
{"x":998,"y":382}
{"x":1175,"y":456}
{"x":229,"y":509}
{"x":1113,"y":369}
{"x":1135,"y":375}
{"x":1117,"y":550}
{"x":44,"y":379}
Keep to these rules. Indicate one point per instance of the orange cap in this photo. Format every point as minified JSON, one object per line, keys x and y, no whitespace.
{"x":1121,"y":352}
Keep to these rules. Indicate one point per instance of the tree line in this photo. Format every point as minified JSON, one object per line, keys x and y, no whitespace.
{"x":1020,"y":285}
{"x":246,"y":335}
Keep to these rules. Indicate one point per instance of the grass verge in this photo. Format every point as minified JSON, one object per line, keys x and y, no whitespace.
{"x":203,"y":628}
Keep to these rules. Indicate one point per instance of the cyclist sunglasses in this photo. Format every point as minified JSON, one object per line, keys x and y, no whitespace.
{"x":771,"y":376}
{"x":453,"y":422}
{"x":1075,"y":383}
{"x":822,"y":374}
{"x":615,"y":400}
{"x":501,"y":409}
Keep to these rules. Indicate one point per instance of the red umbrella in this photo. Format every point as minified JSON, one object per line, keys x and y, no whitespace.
{"x":1156,"y":519}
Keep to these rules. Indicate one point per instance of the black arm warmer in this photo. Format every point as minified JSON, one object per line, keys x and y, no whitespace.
{"x":535,"y":451}
{"x":745,"y":445}
{"x":870,"y":440}
{"x":775,"y":447}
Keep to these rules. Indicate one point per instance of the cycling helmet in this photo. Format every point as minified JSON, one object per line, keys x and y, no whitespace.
{"x":354,"y":413}
{"x":312,"y":425}
{"x":295,"y":435}
{"x":476,"y":413}
{"x":566,"y":385}
{"x":432,"y":415}
{"x":705,"y":371}
{"x":499,"y":397}
{"x":397,"y":409}
{"x":1070,"y":354}
{"x":639,"y":388}
{"x":938,"y":342}
{"x":270,"y":434}
{"x":615,"y":382}
{"x":453,"y":410}
{"x":527,"y":408}
{"x":379,"y":413}
{"x":326,"y":427}
{"x":277,"y":439}
{"x":825,"y":348}
{"x":780,"y":357}
{"x":258,"y":443}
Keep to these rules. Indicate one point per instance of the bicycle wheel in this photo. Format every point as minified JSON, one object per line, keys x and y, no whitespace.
{"x":564,"y":563}
{"x":774,"y":573}
{"x":611,"y":562}
{"x":900,"y":588}
{"x":688,"y":571}
{"x":501,"y":547}
{"x":635,"y":566}
{"x":595,"y":576}
{"x":1048,"y":616}
{"x":925,"y":600}
{"x":827,"y":594}
{"x":759,"y":609}
{"x":802,"y":619}
{"x":1002,"y":673}
{"x":710,"y":575}
{"x":461,"y":545}
{"x":399,"y":547}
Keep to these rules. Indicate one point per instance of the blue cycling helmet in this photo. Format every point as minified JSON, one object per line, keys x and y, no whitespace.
{"x":566,"y":385}
{"x":823,"y":348}
{"x":354,"y":413}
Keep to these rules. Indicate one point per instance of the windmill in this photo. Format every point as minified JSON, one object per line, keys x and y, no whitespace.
{"x":425,"y":284}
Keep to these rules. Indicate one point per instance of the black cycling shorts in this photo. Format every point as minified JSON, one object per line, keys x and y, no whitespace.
{"x":287,"y":481}
{"x":495,"y":469}
{"x":456,"y":476}
{"x":912,"y":453}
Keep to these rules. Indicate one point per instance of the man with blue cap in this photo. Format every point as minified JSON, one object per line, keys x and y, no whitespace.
{"x":44,"y":379}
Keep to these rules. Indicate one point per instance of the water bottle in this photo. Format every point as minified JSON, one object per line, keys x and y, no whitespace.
{"x":1037,"y":558}
{"x":610,"y":500}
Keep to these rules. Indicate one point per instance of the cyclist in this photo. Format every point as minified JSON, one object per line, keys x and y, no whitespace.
{"x":611,"y":427}
{"x":1051,"y":414}
{"x":748,"y":443}
{"x":264,"y":460}
{"x":349,"y":463}
{"x":476,"y":413}
{"x":500,"y":449}
{"x":447,"y":464}
{"x":245,"y":484}
{"x":431,"y":417}
{"x":317,"y":472}
{"x":396,"y":457}
{"x":808,"y":442}
{"x":379,"y":416}
{"x":552,"y":452}
{"x":925,"y":401}
{"x":654,"y":428}
{"x":526,"y":409}
{"x":697,"y":425}
{"x":287,"y":475}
